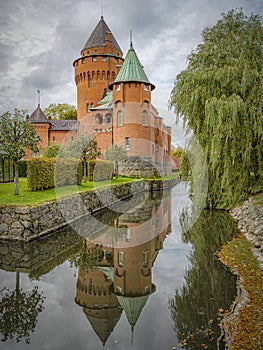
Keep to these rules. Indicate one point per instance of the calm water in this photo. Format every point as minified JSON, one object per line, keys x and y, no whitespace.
{"x":139,"y":276}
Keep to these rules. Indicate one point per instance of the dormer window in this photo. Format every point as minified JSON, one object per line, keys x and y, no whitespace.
{"x":146,"y":87}
{"x":118,"y":87}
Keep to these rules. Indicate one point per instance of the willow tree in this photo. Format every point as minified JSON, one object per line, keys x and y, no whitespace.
{"x":219,"y":97}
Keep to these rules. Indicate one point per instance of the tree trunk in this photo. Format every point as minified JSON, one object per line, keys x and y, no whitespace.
{"x":16,"y":177}
{"x":84,"y":170}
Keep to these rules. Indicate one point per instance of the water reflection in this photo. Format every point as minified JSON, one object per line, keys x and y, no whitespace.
{"x":114,"y":285}
{"x":118,"y":276}
{"x":197,"y":307}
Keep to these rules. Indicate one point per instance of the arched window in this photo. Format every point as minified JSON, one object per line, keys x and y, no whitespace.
{"x":98,"y":119}
{"x":108,"y":119}
{"x":120,"y":118}
{"x":144,"y":118}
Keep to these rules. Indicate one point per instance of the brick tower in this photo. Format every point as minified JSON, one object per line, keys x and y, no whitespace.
{"x":98,"y":66}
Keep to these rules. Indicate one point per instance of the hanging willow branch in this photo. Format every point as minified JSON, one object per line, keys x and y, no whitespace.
{"x":219,"y":96}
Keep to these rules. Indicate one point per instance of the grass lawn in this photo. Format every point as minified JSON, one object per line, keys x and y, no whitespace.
{"x":26,"y":197}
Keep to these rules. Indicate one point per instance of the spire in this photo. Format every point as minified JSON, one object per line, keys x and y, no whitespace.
{"x":97,"y":37}
{"x":38,"y":98}
{"x":131,"y":70}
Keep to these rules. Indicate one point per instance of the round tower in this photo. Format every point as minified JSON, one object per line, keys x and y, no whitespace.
{"x":98,"y":66}
{"x":132,"y":117}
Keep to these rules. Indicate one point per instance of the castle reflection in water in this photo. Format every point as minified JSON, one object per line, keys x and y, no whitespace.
{"x":115,"y":266}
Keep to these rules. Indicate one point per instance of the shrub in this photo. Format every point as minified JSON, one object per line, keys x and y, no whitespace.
{"x":22,"y":168}
{"x":68,"y":171}
{"x":100,"y":170}
{"x":40,"y":173}
{"x":44,"y":173}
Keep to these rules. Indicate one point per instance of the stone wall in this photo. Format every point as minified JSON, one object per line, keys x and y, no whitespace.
{"x":250,"y":222}
{"x":25,"y":223}
{"x":138,"y":167}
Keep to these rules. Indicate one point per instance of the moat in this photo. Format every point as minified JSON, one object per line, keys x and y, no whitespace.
{"x":137,"y":276}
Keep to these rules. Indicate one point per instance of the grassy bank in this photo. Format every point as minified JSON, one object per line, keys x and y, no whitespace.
{"x":247,"y":328}
{"x":26,"y":197}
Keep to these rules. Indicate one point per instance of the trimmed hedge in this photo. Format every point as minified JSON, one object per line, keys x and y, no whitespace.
{"x":68,"y":172}
{"x":100,"y":170}
{"x":6,"y":170}
{"x":22,"y":168}
{"x":44,"y":173}
{"x":40,"y":173}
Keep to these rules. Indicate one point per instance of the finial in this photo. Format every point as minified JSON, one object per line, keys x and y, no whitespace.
{"x":131,"y":38}
{"x":132,"y":334}
{"x":102,"y":5}
{"x":38,"y":98}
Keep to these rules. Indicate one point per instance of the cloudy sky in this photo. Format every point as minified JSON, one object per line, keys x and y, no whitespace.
{"x":39,"y":40}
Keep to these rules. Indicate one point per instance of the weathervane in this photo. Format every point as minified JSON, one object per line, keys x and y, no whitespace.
{"x":131,"y":37}
{"x":102,"y":8}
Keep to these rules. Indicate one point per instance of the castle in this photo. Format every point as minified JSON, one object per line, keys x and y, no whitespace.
{"x":113,"y":105}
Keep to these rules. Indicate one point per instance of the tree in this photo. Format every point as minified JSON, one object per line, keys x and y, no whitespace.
{"x":117,"y":154}
{"x":16,"y":135}
{"x":61,"y":111}
{"x":84,"y":147}
{"x":52,"y":150}
{"x":219,"y":97}
{"x":19,"y":311}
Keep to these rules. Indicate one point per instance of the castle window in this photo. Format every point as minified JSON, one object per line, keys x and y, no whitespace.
{"x":87,"y":107}
{"x":145,"y":258}
{"x":108,"y":119}
{"x":99,"y":119}
{"x":144,"y":118}
{"x":120,"y":118}
{"x":94,"y":58}
{"x":121,"y":258}
{"x":53,"y":138}
{"x":127,"y":143}
{"x":146,"y":87}
{"x":104,"y":58}
{"x":118,"y":87}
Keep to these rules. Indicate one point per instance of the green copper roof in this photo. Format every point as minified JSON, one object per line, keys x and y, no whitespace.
{"x":131,"y":70}
{"x":132,"y":306}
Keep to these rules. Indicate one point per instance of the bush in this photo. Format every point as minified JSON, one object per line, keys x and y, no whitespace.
{"x":100,"y":170}
{"x":45,"y":173}
{"x":22,"y":168}
{"x":40,"y":173}
{"x":68,"y":172}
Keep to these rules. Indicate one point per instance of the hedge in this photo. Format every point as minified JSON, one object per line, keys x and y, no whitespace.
{"x":6,"y":170}
{"x":68,"y":172}
{"x":40,"y":173}
{"x":44,"y":173}
{"x":22,"y":168}
{"x":100,"y":170}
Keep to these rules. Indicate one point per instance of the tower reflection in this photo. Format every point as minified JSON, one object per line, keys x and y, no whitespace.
{"x":117,"y":275}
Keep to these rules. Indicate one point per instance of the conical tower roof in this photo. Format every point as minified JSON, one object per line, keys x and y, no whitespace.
{"x":131,"y":70}
{"x":97,"y":37}
{"x":132,"y":306}
{"x":38,"y":116}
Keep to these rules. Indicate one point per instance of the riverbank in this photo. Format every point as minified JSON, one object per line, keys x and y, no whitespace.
{"x":243,"y":325}
{"x":26,"y":223}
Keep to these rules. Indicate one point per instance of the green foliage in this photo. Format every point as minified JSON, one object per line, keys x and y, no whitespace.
{"x":52,"y":150}
{"x":100,"y":170}
{"x":67,"y":172}
{"x":117,"y":153}
{"x":40,"y":173}
{"x":209,"y":289}
{"x":16,"y":135}
{"x":177,"y":152}
{"x":184,"y":167}
{"x":219,"y":97}
{"x":6,"y":170}
{"x":61,"y":111}
{"x":22,"y":168}
{"x":45,"y":173}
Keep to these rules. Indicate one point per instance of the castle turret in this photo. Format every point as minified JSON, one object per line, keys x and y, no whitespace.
{"x":132,"y":117}
{"x":98,"y":66}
